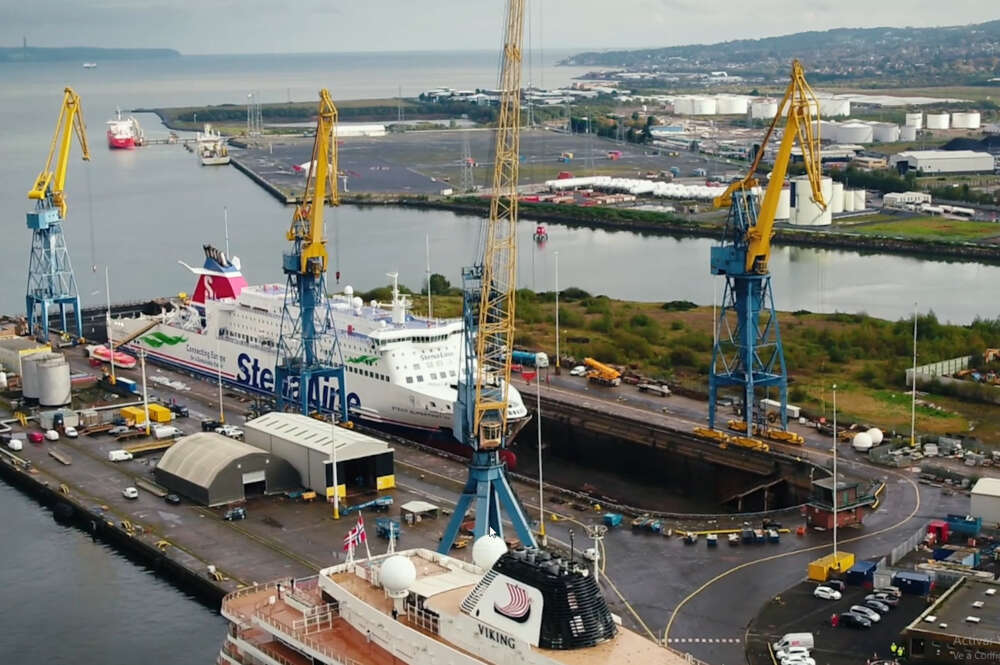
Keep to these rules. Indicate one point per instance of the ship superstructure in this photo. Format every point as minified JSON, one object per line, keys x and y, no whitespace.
{"x":402,"y":370}
{"x":526,"y":608}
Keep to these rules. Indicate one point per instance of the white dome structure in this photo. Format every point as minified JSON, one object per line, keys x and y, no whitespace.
{"x":763,"y":109}
{"x":487,"y":550}
{"x":876,"y":435}
{"x":397,"y":575}
{"x":862,"y":442}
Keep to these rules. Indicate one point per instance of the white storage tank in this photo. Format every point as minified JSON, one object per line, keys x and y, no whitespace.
{"x":704,"y":106}
{"x":731,"y":105}
{"x":970,"y":120}
{"x":54,"y":383}
{"x":763,"y":109}
{"x":683,"y":106}
{"x":832,"y":108}
{"x":938,"y":120}
{"x":859,"y":199}
{"x":849,"y":200}
{"x":854,"y":132}
{"x":907,"y":133}
{"x":29,"y":373}
{"x":784,"y":211}
{"x":915,"y":120}
{"x":808,"y":212}
{"x":885,"y":132}
{"x":837,"y":198}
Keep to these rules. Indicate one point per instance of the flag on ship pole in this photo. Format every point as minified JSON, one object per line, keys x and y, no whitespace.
{"x":361,"y":535}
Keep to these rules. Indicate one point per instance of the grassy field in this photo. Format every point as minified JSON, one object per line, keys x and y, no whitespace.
{"x":934,"y":228}
{"x":865,"y":357}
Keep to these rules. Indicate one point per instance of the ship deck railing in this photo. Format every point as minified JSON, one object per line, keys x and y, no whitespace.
{"x":290,"y":634}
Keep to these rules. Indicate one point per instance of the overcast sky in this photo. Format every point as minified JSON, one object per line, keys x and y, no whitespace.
{"x":271,"y":26}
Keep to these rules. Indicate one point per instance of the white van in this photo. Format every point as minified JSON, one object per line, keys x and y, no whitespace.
{"x":166,"y":431}
{"x":16,"y":445}
{"x":804,"y":640}
{"x":119,"y":455}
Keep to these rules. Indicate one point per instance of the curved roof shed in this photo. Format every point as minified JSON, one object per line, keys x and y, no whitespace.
{"x":213,"y":470}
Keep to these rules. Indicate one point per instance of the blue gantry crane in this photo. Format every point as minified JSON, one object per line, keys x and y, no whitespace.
{"x":748,"y":351}
{"x":488,"y":310}
{"x":50,"y":274}
{"x":308,"y":352}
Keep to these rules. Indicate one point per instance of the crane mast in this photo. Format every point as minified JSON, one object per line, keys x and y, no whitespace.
{"x":748,"y":350}
{"x":50,"y":273}
{"x":488,"y":312}
{"x":308,"y":351}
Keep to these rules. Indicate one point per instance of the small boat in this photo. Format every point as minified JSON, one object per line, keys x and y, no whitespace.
{"x":712,"y":540}
{"x":124,"y":133}
{"x":541,"y":234}
{"x":102,"y":353}
{"x":90,"y":65}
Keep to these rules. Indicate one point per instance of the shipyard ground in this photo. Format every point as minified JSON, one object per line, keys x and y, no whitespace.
{"x":798,"y":611}
{"x":707,"y":597}
{"x":427,"y":162}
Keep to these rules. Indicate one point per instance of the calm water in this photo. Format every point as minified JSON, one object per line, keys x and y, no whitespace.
{"x":69,"y":600}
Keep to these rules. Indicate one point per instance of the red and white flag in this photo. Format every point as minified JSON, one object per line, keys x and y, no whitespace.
{"x":359,"y":530}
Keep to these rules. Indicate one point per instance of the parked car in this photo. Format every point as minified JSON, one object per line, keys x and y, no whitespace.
{"x":230,"y":431}
{"x":826,"y":593}
{"x":878,"y":606}
{"x":210,"y":425}
{"x":51,"y":435}
{"x":119,"y":455}
{"x":130,"y":493}
{"x":866,"y":612}
{"x":888,"y":590}
{"x":851,"y":620}
{"x":791,"y":652}
{"x":118,"y":429}
{"x":71,"y":432}
{"x":579,"y":370}
{"x":798,"y":660}
{"x":36,"y":437}
{"x":884,"y":598}
{"x":233,"y":514}
{"x":179,"y":410}
{"x":172,"y":499}
{"x":837,"y":585}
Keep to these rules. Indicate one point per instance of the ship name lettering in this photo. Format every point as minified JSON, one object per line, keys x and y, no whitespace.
{"x":252,"y":374}
{"x":497,"y":636}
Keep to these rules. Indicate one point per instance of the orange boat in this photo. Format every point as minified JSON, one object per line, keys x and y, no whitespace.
{"x":102,"y":353}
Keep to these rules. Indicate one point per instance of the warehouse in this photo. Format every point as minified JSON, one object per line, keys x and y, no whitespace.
{"x":213,"y":470}
{"x":942,"y":161}
{"x":364,"y":463}
{"x":963,"y":626}
{"x":986,"y":500}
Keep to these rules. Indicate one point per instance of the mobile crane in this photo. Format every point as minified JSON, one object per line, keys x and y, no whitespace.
{"x":308,"y":351}
{"x":603,"y":374}
{"x":488,"y":311}
{"x":50,"y":273}
{"x":751,"y":355}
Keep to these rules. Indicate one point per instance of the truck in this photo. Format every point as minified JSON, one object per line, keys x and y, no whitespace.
{"x":529,"y":358}
{"x":965,"y":525}
{"x":166,"y":432}
{"x":654,"y":388}
{"x":603,"y":374}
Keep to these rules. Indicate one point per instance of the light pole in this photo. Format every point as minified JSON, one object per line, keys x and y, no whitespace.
{"x":913,"y":388}
{"x":836,"y":561}
{"x":145,"y":393}
{"x":538,"y":425}
{"x":111,"y":344}
{"x":556,"y":255}
{"x":333,"y":463}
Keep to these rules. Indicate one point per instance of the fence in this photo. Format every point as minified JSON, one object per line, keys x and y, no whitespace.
{"x":907,"y":546}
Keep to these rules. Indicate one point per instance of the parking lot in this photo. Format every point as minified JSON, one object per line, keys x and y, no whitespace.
{"x":797,"y":610}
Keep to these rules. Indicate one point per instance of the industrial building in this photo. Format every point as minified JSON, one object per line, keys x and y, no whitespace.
{"x":962,"y":626}
{"x":14,"y":349}
{"x":364,"y":463}
{"x":851,"y":501}
{"x":942,"y":161}
{"x":215,"y":470}
{"x":986,"y":500}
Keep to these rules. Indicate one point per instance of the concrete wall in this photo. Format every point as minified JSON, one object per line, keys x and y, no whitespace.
{"x":987,"y":507}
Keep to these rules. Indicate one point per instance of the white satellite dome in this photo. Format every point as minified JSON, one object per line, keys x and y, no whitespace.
{"x":348,"y":290}
{"x":876,"y":434}
{"x":862,"y":441}
{"x":236,"y":262}
{"x":487,"y":550}
{"x":398,"y":575}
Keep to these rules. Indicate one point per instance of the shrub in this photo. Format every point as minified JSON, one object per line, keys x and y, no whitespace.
{"x":677,"y":325}
{"x":682,"y":357}
{"x":679,"y":305}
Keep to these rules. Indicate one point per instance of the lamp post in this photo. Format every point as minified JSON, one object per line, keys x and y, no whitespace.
{"x":836,"y":561}
{"x":556,"y":255}
{"x":333,"y":464}
{"x":538,"y":425}
{"x":913,"y":388}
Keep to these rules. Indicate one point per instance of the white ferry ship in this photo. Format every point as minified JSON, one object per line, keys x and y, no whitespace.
{"x":525,"y":607}
{"x":402,"y":370}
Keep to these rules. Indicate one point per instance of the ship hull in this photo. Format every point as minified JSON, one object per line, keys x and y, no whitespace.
{"x":120,"y":143}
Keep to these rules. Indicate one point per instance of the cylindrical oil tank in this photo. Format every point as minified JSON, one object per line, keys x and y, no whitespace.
{"x":730,"y":105}
{"x":683,"y":105}
{"x":915,"y":120}
{"x":907,"y":133}
{"x":704,"y":106}
{"x":808,"y":212}
{"x":885,"y":132}
{"x":938,"y":120}
{"x":54,"y":382}
{"x":969,"y":120}
{"x":854,"y":132}
{"x":832,"y":108}
{"x":29,"y":373}
{"x":859,"y":199}
{"x":849,"y":200}
{"x":837,"y":198}
{"x":763,"y":109}
{"x":784,"y":211}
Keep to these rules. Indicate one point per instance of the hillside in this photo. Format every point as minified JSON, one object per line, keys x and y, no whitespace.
{"x":970,"y":52}
{"x":81,"y":53}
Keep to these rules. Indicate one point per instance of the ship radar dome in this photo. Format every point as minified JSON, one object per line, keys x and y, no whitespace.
{"x":357,"y":302}
{"x":348,"y":290}
{"x":236,"y":262}
{"x":398,"y":575}
{"x":487,"y":550}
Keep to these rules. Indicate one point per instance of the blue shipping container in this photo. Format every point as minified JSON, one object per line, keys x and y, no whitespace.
{"x":861,"y":572}
{"x":918,"y":584}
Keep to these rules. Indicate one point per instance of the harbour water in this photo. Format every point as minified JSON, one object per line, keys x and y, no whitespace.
{"x":70,"y":600}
